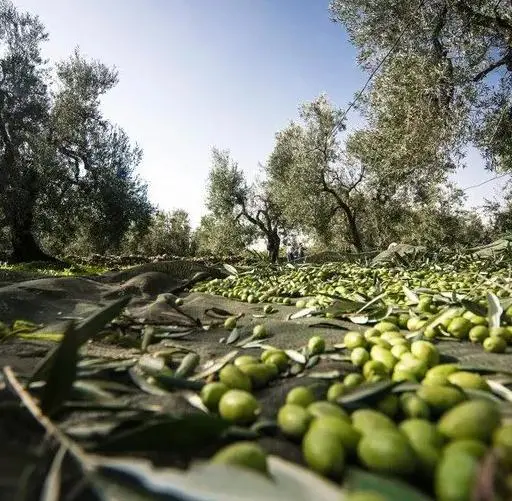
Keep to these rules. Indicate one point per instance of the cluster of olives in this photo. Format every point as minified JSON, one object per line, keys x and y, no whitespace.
{"x":383,"y":351}
{"x":333,"y":279}
{"x":433,"y":432}
{"x":350,"y":281}
{"x":435,"y":435}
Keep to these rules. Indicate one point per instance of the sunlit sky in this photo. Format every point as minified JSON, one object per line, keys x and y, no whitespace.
{"x":201,"y":73}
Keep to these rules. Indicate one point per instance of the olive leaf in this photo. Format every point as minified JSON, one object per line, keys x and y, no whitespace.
{"x":305,"y":312}
{"x":52,"y":483}
{"x":366,"y":394}
{"x":137,"y":377}
{"x":482,"y":394}
{"x":147,"y":336}
{"x":481,"y":369}
{"x":217,"y":312}
{"x":296,"y":356}
{"x":230,"y":269}
{"x":372,"y":301}
{"x":194,"y":399}
{"x":215,"y":365}
{"x":506,"y":303}
{"x":500,"y":389}
{"x":389,"y":489}
{"x":91,"y":391}
{"x":169,"y":433}
{"x":265,"y":426}
{"x":187,"y":365}
{"x":410,"y":295}
{"x":375,"y":316}
{"x":114,"y":487}
{"x":220,"y":482}
{"x":329,"y":375}
{"x":442,"y":316}
{"x":358,"y":319}
{"x":328,"y":325}
{"x":90,"y":430}
{"x":494,"y":310}
{"x":62,"y":373}
{"x":312,"y":361}
{"x":82,"y":332}
{"x":234,"y":336}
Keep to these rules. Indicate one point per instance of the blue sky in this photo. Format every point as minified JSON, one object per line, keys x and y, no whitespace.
{"x":201,"y":73}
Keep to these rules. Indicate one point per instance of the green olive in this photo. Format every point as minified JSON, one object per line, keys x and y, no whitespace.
{"x":239,"y":406}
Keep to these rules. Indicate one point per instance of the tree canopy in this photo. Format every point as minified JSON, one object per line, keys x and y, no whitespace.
{"x":454,"y":62}
{"x":230,"y":197}
{"x":61,"y":162}
{"x":439,"y":80}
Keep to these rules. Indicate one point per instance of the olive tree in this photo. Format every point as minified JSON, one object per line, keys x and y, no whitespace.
{"x":168,"y":232}
{"x":222,"y":236}
{"x":458,"y":52}
{"x":312,"y":177}
{"x":230,"y":196}
{"x":61,"y":162}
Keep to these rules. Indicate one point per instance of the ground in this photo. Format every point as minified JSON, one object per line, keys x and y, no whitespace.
{"x":111,"y":399}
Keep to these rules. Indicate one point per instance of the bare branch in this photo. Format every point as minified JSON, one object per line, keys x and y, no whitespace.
{"x":252,"y":219}
{"x":359,"y":180}
{"x":505,"y":60}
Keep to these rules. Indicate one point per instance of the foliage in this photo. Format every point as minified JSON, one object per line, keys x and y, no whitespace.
{"x":222,"y":236}
{"x":167,"y":233}
{"x":454,"y":61}
{"x":230,"y":196}
{"x":500,"y":215}
{"x":349,"y":197}
{"x":326,"y":178}
{"x":62,"y":164}
{"x":47,"y":270}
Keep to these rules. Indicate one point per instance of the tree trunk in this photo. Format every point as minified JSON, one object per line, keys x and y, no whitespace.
{"x":354,"y":231}
{"x":24,"y":245}
{"x":19,"y":214}
{"x":351,"y":218}
{"x":273,"y":244}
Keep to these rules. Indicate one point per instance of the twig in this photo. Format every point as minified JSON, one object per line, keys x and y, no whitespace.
{"x":14,"y":385}
{"x":52,"y":484}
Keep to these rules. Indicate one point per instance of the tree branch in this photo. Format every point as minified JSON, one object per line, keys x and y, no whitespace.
{"x":252,"y":219}
{"x":485,"y":20}
{"x":359,"y":180}
{"x":506,"y":59}
{"x":4,"y":130}
{"x":328,"y":189}
{"x":75,"y":159}
{"x":446,"y":87}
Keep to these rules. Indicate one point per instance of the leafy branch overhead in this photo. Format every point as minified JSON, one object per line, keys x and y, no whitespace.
{"x":454,"y":61}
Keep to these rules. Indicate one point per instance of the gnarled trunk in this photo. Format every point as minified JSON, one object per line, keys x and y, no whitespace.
{"x":273,"y":244}
{"x":24,"y":245}
{"x":18,"y":206}
{"x":354,"y":230}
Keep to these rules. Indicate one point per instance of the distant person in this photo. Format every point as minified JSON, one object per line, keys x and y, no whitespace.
{"x":290,"y":252}
{"x":300,"y":251}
